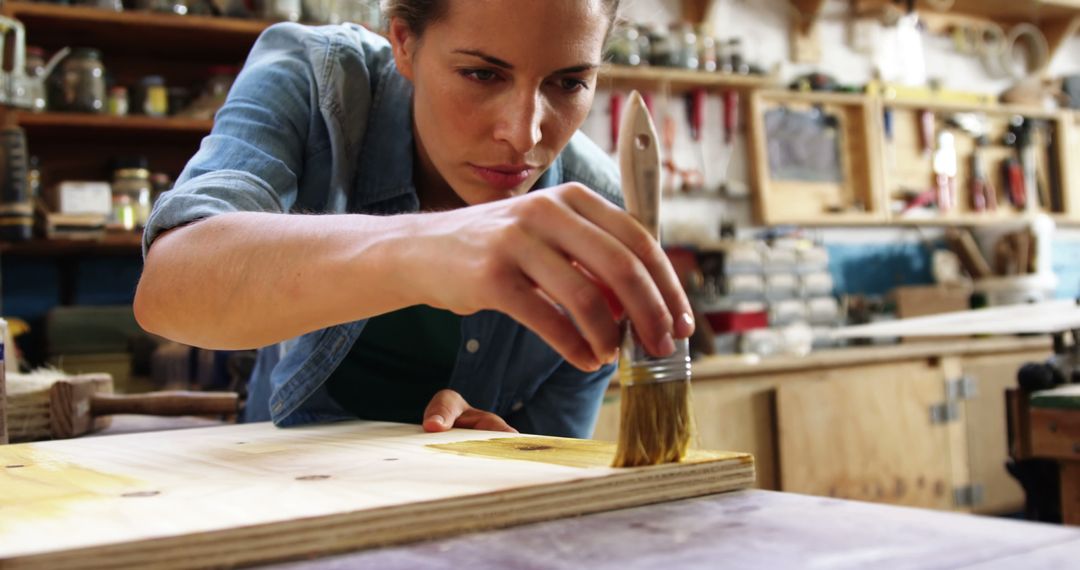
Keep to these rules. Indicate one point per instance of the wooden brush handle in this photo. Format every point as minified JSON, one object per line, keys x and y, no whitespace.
{"x":171,"y":403}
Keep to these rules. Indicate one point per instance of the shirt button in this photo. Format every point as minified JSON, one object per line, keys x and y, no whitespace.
{"x":517,"y":406}
{"x":472,"y":346}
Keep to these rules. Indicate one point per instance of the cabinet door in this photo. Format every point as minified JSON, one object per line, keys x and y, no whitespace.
{"x":867,"y":433}
{"x":987,"y":431}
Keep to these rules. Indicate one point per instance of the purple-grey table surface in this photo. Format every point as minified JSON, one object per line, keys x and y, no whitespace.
{"x":747,"y":529}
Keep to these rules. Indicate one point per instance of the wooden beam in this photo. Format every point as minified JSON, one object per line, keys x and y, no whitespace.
{"x":1059,"y":30}
{"x":696,"y":11}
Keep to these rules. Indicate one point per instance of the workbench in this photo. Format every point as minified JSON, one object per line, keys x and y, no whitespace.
{"x":919,"y":424}
{"x":743,"y":530}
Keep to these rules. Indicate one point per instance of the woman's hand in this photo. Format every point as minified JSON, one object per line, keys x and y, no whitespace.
{"x":538,"y":258}
{"x":449,"y":410}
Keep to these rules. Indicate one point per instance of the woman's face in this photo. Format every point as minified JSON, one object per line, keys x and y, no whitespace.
{"x":500,"y":87}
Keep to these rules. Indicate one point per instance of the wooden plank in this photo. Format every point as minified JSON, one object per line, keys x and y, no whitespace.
{"x":746,"y":530}
{"x":1055,"y":433}
{"x":987,"y":429}
{"x":1070,"y":492}
{"x":233,"y":495}
{"x":866,"y":434}
{"x":1043,"y":318}
{"x":721,"y":367}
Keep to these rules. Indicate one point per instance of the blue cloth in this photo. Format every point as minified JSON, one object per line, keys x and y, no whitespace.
{"x":320,"y":121}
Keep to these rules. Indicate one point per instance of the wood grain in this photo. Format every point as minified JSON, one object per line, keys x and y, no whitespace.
{"x":867,"y":435}
{"x":253,"y":493}
{"x":1070,"y":492}
{"x":987,"y":430}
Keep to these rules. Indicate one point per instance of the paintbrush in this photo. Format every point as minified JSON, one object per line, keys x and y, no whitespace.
{"x":655,"y":419}
{"x":50,"y":404}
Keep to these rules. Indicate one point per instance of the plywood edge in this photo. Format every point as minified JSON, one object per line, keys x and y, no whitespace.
{"x":325,"y":535}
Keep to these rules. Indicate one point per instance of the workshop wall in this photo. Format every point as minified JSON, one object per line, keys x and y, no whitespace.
{"x":893,"y":253}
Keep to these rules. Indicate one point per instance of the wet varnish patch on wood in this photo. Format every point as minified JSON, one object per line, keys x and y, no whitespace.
{"x":562,"y":451}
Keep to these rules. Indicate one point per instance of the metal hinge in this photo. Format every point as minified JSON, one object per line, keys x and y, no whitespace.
{"x":945,"y":412}
{"x":962,"y":388}
{"x":968,"y":495}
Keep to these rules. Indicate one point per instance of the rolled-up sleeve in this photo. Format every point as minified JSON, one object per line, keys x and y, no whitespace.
{"x":253,"y":157}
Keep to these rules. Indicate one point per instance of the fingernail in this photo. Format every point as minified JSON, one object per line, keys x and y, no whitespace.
{"x":438,"y":419}
{"x":667,"y":345}
{"x":684,"y":325}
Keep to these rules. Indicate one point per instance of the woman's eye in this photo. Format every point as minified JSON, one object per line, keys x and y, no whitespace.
{"x":481,"y":75}
{"x":572,"y":85}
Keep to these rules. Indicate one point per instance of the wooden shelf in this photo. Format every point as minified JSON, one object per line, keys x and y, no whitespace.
{"x":150,"y":34}
{"x":1057,"y":19}
{"x":678,"y":79}
{"x":42,"y":122}
{"x":129,"y":243}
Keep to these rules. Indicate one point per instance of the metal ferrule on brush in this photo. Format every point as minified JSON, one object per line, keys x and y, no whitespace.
{"x":638,"y":367}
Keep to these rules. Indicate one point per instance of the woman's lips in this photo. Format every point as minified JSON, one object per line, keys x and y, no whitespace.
{"x":503,"y":177}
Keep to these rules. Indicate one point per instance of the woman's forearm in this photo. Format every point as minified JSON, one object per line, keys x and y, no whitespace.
{"x":245,"y":280}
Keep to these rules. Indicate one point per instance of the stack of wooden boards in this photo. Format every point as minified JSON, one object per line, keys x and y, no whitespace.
{"x":241,"y":494}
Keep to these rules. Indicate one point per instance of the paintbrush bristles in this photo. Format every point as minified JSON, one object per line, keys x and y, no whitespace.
{"x":655,"y":424}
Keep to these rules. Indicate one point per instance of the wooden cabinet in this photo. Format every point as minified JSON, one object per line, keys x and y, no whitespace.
{"x":919,"y":425}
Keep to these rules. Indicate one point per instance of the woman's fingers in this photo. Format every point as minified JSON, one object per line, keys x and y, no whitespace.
{"x":613,"y":222}
{"x":443,"y":410}
{"x":575,"y":292}
{"x":535,"y":310}
{"x":448,"y":409}
{"x":573,"y":223}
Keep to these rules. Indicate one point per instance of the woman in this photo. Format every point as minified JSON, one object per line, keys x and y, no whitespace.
{"x":454,"y":276}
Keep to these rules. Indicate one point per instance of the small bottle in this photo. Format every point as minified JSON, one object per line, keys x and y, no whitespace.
{"x":118,"y":101}
{"x":156,"y":96}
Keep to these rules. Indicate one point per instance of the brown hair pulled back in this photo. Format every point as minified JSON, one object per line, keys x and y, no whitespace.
{"x":419,"y":14}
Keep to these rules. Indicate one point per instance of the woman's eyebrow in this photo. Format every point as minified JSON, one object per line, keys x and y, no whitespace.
{"x":506,"y":65}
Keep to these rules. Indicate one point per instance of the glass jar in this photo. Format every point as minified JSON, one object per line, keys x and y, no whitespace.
{"x":35,"y":71}
{"x":166,"y":6}
{"x":110,"y":5}
{"x":661,"y":48}
{"x":707,"y":53}
{"x":133,"y":183}
{"x":160,"y":183}
{"x":282,"y":10}
{"x":78,"y":83}
{"x":625,"y":46}
{"x":684,"y":46}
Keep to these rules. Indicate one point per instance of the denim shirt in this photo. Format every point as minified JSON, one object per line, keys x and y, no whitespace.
{"x":320,"y":121}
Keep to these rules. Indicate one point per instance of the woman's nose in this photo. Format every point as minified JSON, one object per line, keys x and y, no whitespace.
{"x":519,"y":123}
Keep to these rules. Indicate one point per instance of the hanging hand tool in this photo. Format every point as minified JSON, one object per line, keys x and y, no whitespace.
{"x":616,"y":118}
{"x":983,"y":194}
{"x":695,"y":109}
{"x":1013,"y":176}
{"x":1020,"y":137}
{"x":887,"y":116}
{"x":927,"y":124}
{"x":945,"y":171}
{"x":731,"y":128}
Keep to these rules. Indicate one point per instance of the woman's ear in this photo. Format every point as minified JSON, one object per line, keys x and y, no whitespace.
{"x":403,"y":42}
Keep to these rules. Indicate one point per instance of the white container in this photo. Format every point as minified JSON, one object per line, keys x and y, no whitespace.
{"x":1017,"y":289}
